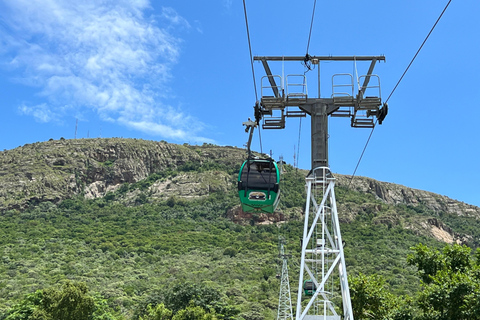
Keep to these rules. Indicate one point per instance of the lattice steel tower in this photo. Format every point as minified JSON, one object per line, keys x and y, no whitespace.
{"x":323,"y":275}
{"x":284,"y":300}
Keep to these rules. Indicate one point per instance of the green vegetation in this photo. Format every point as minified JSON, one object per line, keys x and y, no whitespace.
{"x":451,"y":282}
{"x":129,"y":256}
{"x":70,"y":302}
{"x":370,"y":299}
{"x":450,"y":288}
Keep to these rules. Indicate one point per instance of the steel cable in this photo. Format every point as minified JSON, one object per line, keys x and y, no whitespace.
{"x":391,"y":93}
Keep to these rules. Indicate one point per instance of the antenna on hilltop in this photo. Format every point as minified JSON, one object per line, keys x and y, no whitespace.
{"x":76,"y":126}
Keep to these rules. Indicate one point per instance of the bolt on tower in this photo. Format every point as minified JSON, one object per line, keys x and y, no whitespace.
{"x":323,"y":283}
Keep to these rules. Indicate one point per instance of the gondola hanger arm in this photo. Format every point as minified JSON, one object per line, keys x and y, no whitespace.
{"x":249,"y":127}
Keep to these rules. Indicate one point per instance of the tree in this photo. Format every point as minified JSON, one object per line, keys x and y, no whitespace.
{"x":185,"y":295}
{"x":25,"y":309}
{"x":445,"y":297}
{"x":451,"y":282}
{"x":70,"y":303}
{"x":405,"y":308}
{"x":428,"y":261}
{"x":194,"y":313}
{"x":370,"y":299}
{"x":160,"y":312}
{"x":182,"y":295}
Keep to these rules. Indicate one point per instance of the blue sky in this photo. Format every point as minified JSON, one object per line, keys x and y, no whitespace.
{"x":180,"y":71}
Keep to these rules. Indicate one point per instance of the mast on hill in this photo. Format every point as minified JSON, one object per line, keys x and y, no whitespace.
{"x":323,"y":276}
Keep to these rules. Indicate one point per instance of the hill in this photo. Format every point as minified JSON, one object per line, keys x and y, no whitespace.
{"x":133,"y":219}
{"x":57,"y":170}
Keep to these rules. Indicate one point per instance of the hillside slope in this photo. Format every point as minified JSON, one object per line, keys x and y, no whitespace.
{"x":133,"y":218}
{"x":397,"y":194}
{"x":60,"y":169}
{"x":56,"y":170}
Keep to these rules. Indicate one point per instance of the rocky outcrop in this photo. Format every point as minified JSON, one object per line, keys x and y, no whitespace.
{"x":438,"y":230}
{"x":59,"y":169}
{"x":395,"y":194}
{"x":237,"y":215}
{"x":192,"y":185}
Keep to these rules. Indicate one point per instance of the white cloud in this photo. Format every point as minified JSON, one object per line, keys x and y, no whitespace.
{"x":227,"y":4}
{"x":41,"y":112}
{"x":166,"y":131}
{"x":198,"y":26}
{"x":109,"y":56}
{"x":174,"y":18}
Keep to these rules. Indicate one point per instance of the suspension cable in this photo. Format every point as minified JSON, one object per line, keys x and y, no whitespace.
{"x":307,"y":68}
{"x":361,"y":156}
{"x":418,"y":51}
{"x":299,"y":135}
{"x":260,"y":138}
{"x":391,"y":93}
{"x":311,"y":25}
{"x":306,"y":61}
{"x":250,"y":50}
{"x":253,"y":69}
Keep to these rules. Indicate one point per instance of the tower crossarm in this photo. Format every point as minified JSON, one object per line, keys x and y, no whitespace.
{"x":320,"y":58}
{"x":362,"y":107}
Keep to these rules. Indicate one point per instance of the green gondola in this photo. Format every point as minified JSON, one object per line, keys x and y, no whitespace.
{"x":258,"y":187}
{"x":309,"y":287}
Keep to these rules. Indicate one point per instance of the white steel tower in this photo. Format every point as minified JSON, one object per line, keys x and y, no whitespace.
{"x":322,"y":253}
{"x":284,"y":300}
{"x":323,"y":276}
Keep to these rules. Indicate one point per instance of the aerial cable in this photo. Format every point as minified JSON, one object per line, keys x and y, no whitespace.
{"x":253,"y":69}
{"x":260,"y":138}
{"x":311,"y":26}
{"x":361,"y":156}
{"x":391,"y":93}
{"x":250,"y":50}
{"x":418,"y":51}
{"x":299,"y":135}
{"x":306,"y":61}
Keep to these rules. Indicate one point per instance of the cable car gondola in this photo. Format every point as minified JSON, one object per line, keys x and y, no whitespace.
{"x":258,"y":187}
{"x":309,"y":287}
